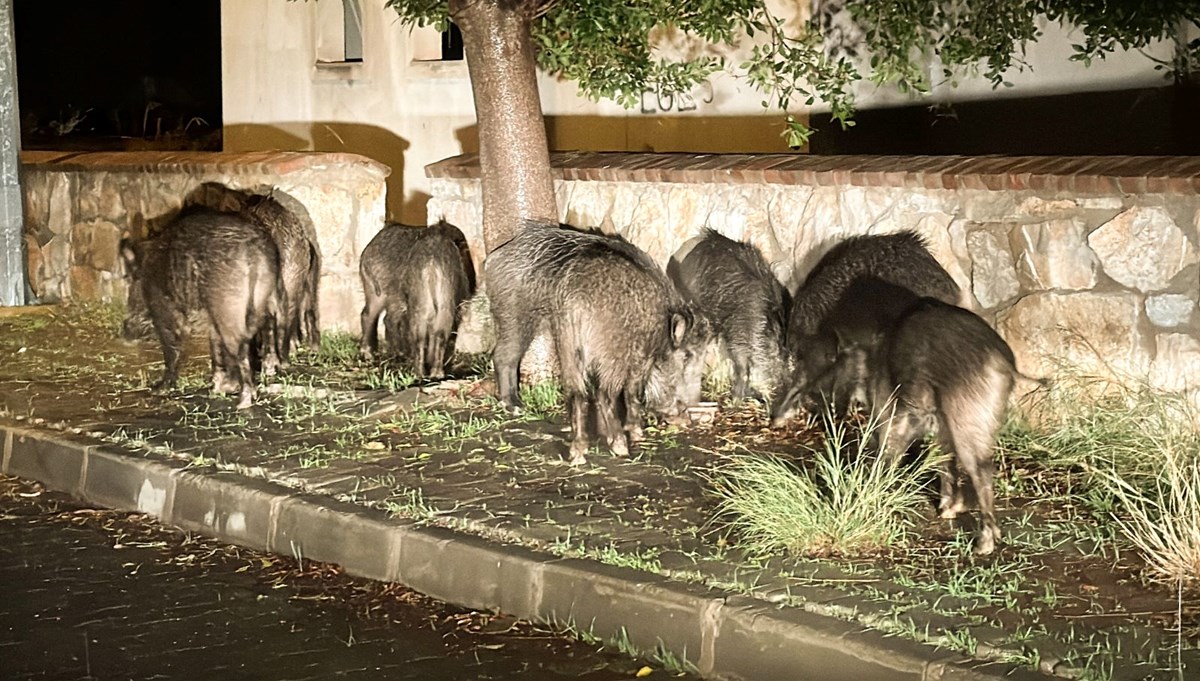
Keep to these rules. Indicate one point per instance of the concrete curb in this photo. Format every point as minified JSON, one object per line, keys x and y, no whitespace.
{"x":725,"y":636}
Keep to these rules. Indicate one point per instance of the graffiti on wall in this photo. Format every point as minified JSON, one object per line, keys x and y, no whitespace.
{"x":662,"y":102}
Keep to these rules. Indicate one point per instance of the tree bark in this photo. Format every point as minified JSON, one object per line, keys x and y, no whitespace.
{"x":514,"y":158}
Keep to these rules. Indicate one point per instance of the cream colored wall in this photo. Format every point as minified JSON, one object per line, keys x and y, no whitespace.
{"x":401,"y":114}
{"x":407,"y":114}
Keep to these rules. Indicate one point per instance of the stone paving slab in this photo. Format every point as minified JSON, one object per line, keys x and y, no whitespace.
{"x":724,"y":635}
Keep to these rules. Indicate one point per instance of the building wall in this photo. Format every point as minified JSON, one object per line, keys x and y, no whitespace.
{"x":407,"y":114}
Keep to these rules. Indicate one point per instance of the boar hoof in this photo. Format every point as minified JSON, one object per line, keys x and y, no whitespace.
{"x":619,"y":446}
{"x":985,"y":545}
{"x":224,"y":386}
{"x":247,"y":400}
{"x":951,"y":509}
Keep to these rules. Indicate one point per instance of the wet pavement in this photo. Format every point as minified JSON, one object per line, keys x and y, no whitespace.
{"x":96,"y":594}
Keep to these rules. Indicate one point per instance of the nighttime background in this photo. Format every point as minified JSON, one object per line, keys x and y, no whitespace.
{"x":146,"y":74}
{"x":119,"y":74}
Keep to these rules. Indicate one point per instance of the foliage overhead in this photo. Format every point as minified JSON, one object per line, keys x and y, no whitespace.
{"x":608,"y":47}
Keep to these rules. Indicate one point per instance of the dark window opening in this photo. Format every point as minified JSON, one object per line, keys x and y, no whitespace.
{"x":119,"y":74}
{"x":452,"y":44}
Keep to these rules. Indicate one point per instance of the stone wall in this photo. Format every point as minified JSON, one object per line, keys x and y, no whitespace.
{"x":79,"y":206}
{"x":1088,"y":260}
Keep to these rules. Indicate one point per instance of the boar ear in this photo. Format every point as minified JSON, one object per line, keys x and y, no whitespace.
{"x":680,"y":323}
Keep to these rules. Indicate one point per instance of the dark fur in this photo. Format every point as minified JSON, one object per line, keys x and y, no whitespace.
{"x":746,"y":306}
{"x":416,"y":276}
{"x":618,"y":323}
{"x":901,"y":259}
{"x":951,"y":375}
{"x":866,"y":310}
{"x":285,"y":219}
{"x":219,"y":263}
{"x":300,"y":262}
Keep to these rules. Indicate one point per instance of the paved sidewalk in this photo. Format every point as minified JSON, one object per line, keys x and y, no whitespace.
{"x":437,"y":489}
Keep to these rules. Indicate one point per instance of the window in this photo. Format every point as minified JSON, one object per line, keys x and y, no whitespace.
{"x":339,"y":32}
{"x":429,"y":45}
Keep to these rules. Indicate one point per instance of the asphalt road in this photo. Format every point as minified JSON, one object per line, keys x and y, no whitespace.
{"x":93,"y":594}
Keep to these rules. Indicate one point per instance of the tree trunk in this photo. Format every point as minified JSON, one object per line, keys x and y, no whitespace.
{"x":514,"y":158}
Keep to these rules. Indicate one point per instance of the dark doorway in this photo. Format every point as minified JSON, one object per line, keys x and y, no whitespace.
{"x":119,"y":74}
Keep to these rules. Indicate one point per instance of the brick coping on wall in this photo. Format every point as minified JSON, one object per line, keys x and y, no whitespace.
{"x":227,"y":163}
{"x":1076,"y":174}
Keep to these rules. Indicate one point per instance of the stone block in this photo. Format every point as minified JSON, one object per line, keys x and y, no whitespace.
{"x":84,"y":283}
{"x":98,"y":197}
{"x":609,"y":602}
{"x":1176,"y":366}
{"x":60,"y":218}
{"x":53,"y":461}
{"x":757,"y":642}
{"x":319,"y":528}
{"x":993,"y":276}
{"x":33,"y":264}
{"x":1096,"y":331}
{"x":1043,"y":209}
{"x":470,"y":571}
{"x":1053,"y":255}
{"x":231,"y":508}
{"x":1142,"y":248}
{"x":1170,"y":310}
{"x":116,"y":479}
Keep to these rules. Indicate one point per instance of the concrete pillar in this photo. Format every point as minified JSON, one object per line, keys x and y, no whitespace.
{"x":13,"y":284}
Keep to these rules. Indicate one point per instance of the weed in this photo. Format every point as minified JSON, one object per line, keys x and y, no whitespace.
{"x":717,"y":381}
{"x":410,"y":503}
{"x":645,"y":560}
{"x":1163,"y":523}
{"x":852,"y":499}
{"x":427,"y":421}
{"x":571,"y":628}
{"x":1128,"y":452}
{"x":474,"y":364}
{"x":959,"y":639}
{"x":672,"y":663}
{"x":338,"y":348}
{"x":542,"y":399}
{"x":386,"y":378}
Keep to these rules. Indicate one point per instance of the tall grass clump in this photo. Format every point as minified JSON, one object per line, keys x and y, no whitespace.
{"x":1087,"y":423}
{"x":847,"y":498}
{"x":542,"y":399}
{"x":338,"y":348}
{"x":1162,"y":521}
{"x":1135,"y":451}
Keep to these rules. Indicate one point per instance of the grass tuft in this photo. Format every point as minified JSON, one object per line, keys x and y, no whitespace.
{"x":1129,"y":452}
{"x":338,"y":348}
{"x":542,"y":399}
{"x":850,"y":499}
{"x":1162,"y":522}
